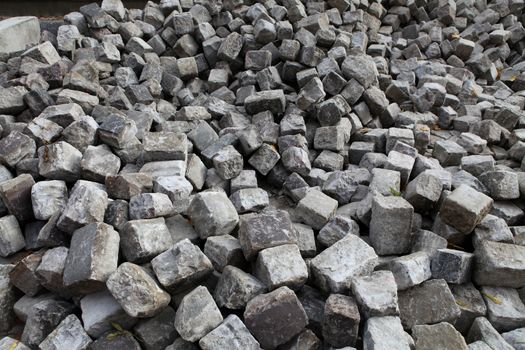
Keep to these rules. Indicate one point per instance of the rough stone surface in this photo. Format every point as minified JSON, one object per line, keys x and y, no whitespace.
{"x":136,"y":291}
{"x":281,"y":266}
{"x":376,"y":294}
{"x":505,"y":310}
{"x":68,"y":335}
{"x":23,"y":275}
{"x":250,"y":200}
{"x":149,"y":206}
{"x":16,"y":147}
{"x":391,"y":225}
{"x":428,"y":303}
{"x":142,"y":240}
{"x":452,"y":265}
{"x":11,"y":238}
{"x":197,"y":315}
{"x":15,"y":194}
{"x":59,"y":161}
{"x":26,"y":30}
{"x":92,"y":257}
{"x":513,"y":338}
{"x":50,"y":271}
{"x":43,"y":318}
{"x":8,"y":300}
{"x":212,"y":214}
{"x":334,"y":268}
{"x":471,"y":305}
{"x":181,"y":265}
{"x":99,"y":310}
{"x":483,"y":331}
{"x":181,"y":159}
{"x":275,"y":318}
{"x":440,"y":335}
{"x":157,"y":332}
{"x":464,"y":208}
{"x":48,"y":198}
{"x":223,"y":251}
{"x":386,"y":333}
{"x":316,"y":209}
{"x":230,"y":334}
{"x":236,"y":288}
{"x":340,"y":320}
{"x":87,"y":204}
{"x":265,"y":230}
{"x":499,"y":264}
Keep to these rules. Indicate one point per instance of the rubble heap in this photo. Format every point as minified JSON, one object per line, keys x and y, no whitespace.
{"x":282,"y":174}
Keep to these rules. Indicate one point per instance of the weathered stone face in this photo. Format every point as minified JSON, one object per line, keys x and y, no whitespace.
{"x":499,"y":264}
{"x":99,"y":310}
{"x":159,"y":331}
{"x":231,"y":334}
{"x":340,"y":320}
{"x":316,"y":209}
{"x":265,"y":230}
{"x":464,"y":208}
{"x":213,"y":214}
{"x":69,"y":333}
{"x":376,"y":294}
{"x":7,"y":299}
{"x":25,"y":29}
{"x":428,"y":337}
{"x":391,"y":225}
{"x":16,"y":196}
{"x":23,"y":275}
{"x":410,"y":270}
{"x":136,"y":291}
{"x":334,"y":268}
{"x":142,"y":240}
{"x":181,"y":265}
{"x":276,"y":317}
{"x":87,"y":204}
{"x":59,"y":161}
{"x":236,"y":288}
{"x":48,"y":198}
{"x":386,"y":332}
{"x":197,"y":315}
{"x":418,"y":304}
{"x":92,"y":258}
{"x":12,"y":239}
{"x":42,"y":320}
{"x":281,"y":266}
{"x":16,"y":147}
